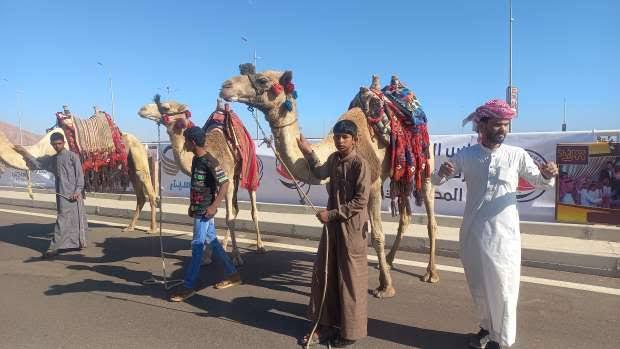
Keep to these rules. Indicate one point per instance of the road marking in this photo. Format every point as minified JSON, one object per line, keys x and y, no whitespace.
{"x":459,"y":270}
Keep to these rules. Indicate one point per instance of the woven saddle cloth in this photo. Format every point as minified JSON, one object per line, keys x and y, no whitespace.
{"x":94,"y":134}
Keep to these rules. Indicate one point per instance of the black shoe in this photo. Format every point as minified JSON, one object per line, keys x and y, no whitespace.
{"x":49,"y":254}
{"x":181,"y":293}
{"x":480,"y":340}
{"x":340,"y":342}
{"x":493,"y":345}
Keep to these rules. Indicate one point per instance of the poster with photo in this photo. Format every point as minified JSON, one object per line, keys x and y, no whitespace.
{"x":588,"y":189}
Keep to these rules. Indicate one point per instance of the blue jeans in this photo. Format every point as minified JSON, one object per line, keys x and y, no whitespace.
{"x":204,"y":232}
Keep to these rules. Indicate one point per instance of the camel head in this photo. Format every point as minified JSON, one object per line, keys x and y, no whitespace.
{"x":271,"y":92}
{"x":368,"y":98}
{"x":173,"y":115}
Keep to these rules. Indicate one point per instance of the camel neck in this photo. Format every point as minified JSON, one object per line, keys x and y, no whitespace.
{"x":285,"y":137}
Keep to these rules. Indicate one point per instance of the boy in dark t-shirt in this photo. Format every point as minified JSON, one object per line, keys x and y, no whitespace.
{"x":209,"y":184}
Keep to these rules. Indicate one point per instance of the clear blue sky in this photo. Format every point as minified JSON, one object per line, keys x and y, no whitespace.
{"x":453,"y":54}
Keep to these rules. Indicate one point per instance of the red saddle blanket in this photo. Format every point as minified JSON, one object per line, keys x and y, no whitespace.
{"x":241,"y":142}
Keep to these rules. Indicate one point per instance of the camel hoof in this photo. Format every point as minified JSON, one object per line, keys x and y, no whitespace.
{"x":430,"y":277}
{"x":261,"y":250}
{"x":388,"y":267}
{"x":126,"y":229}
{"x":236,"y":259}
{"x":386,"y":292}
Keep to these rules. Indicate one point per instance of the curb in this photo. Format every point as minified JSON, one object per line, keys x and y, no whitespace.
{"x":572,"y":261}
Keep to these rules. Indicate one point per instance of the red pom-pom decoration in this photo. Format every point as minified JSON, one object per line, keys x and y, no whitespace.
{"x":277,"y":89}
{"x":289,"y":88}
{"x":165,"y":119}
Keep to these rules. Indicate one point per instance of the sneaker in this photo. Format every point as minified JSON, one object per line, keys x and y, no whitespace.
{"x":229,"y":281}
{"x":181,"y":293}
{"x":493,"y":345}
{"x":480,"y":340}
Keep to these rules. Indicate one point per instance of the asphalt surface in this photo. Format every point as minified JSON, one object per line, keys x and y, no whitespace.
{"x":95,"y":298}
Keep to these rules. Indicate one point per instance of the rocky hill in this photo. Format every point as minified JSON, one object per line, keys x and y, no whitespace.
{"x":12,"y":132}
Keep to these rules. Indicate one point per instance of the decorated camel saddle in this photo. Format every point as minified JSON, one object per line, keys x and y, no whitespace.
{"x":225,"y":120}
{"x":98,"y":142}
{"x":398,"y":121}
{"x":238,"y":139}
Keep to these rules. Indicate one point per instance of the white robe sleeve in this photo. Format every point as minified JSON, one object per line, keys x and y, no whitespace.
{"x":456,"y":161}
{"x":529,"y":171}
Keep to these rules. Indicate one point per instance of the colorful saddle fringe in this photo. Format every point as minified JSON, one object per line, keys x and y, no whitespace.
{"x":398,"y":120}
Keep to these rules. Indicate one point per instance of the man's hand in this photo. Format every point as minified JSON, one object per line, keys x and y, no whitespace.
{"x":446,"y":169}
{"x":189,"y":212}
{"x":211,"y":211}
{"x":549,"y":170}
{"x":304,"y":145}
{"x":75,"y":197}
{"x":323,"y":216}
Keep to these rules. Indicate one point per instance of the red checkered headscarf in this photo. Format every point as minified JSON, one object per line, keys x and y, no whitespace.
{"x":493,"y":109}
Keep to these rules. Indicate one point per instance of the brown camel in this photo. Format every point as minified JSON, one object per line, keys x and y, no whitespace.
{"x":217,"y":147}
{"x":280,"y":109}
{"x":139,"y":173}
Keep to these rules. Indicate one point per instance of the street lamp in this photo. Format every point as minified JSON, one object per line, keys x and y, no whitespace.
{"x":511,"y":92}
{"x":168,"y":90}
{"x":18,"y":94}
{"x":254,"y":58}
{"x":111,"y":91}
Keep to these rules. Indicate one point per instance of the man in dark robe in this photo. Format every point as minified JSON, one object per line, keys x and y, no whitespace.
{"x":71,"y":222}
{"x":344,"y":316}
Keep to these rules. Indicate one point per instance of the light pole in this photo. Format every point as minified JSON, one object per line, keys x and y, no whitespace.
{"x":511,"y":93}
{"x":111,"y":90}
{"x":168,"y":89}
{"x":254,"y":58}
{"x":18,"y":94}
{"x":564,"y":119}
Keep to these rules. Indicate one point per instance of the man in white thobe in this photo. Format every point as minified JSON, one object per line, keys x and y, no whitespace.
{"x":490,"y":244}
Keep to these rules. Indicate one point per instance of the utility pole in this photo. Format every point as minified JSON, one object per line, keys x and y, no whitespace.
{"x":511,"y":92}
{"x":168,"y":90}
{"x":111,"y":90}
{"x":253,"y":58}
{"x":19,"y":94}
{"x":564,"y":120}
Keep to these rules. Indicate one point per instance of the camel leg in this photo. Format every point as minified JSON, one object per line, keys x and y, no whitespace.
{"x":386,"y":288}
{"x":140,"y":201}
{"x":403,"y":223}
{"x":150,"y":193}
{"x":259,"y":242}
{"x":231,"y":216}
{"x":429,"y":202}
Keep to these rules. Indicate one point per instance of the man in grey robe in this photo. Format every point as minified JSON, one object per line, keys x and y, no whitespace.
{"x":71,"y":222}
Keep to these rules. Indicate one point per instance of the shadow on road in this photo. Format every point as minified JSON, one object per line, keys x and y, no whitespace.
{"x":283,"y":271}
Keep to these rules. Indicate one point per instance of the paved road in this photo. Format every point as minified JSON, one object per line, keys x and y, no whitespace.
{"x":95,"y":298}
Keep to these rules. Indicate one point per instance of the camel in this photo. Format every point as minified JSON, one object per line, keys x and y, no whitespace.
{"x":139,"y":173}
{"x":264,"y":92}
{"x":176,"y":121}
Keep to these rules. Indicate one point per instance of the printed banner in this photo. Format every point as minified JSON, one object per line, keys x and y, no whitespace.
{"x":277,"y":187}
{"x":588,"y":189}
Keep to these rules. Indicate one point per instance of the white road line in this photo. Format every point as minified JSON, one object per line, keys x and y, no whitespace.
{"x":527,"y":279}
